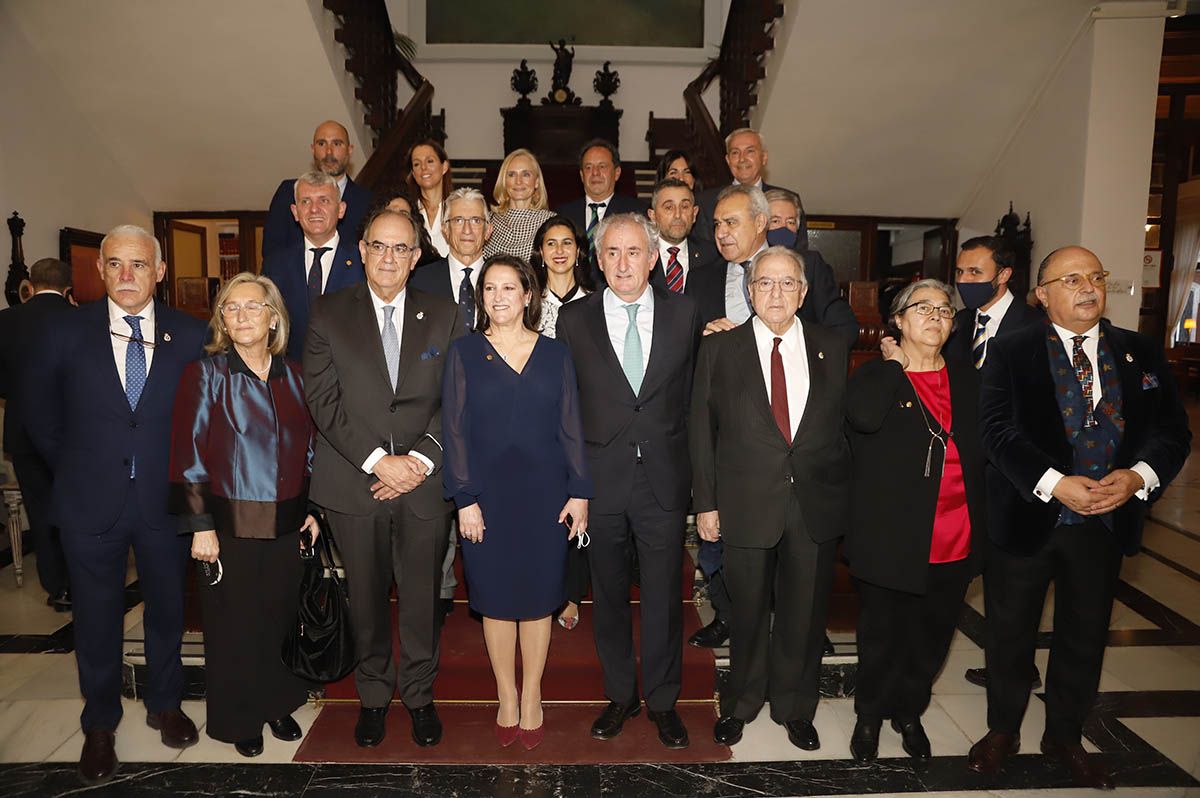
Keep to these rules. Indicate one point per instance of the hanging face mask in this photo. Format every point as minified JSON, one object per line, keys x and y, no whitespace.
{"x":781,"y":237}
{"x":976,"y":295}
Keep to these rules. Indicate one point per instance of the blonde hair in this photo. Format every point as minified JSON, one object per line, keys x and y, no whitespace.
{"x":538,"y":201}
{"x":219,"y":340}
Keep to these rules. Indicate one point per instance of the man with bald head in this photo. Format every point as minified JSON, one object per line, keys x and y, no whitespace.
{"x":331,"y":152}
{"x":1083,"y":428}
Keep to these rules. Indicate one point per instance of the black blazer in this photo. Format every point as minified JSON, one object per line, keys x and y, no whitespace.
{"x":742,"y":465}
{"x":823,"y":304}
{"x":707,"y":201}
{"x":962,"y":336}
{"x":282,"y":230}
{"x":615,"y":422}
{"x":1023,"y":432}
{"x":892,"y":503}
{"x":22,"y":327}
{"x":433,"y":278}
{"x":577,"y":210}
{"x":354,"y":407}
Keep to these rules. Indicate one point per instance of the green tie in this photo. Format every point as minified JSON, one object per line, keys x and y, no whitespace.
{"x":631,"y":361}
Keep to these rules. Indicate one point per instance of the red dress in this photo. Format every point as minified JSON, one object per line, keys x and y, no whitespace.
{"x":951,"y":523}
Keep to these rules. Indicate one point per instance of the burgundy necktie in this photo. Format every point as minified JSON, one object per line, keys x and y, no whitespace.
{"x":674,"y":271}
{"x":779,"y":402}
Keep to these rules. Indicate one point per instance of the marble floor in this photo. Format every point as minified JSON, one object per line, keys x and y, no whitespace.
{"x":1146,"y":724}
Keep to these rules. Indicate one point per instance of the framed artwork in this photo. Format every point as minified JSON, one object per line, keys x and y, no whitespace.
{"x":192,"y":293}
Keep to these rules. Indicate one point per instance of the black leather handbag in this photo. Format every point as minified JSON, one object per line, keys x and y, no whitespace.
{"x":320,"y":644}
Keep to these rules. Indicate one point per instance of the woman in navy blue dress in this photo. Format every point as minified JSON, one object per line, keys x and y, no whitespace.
{"x":516,"y":469}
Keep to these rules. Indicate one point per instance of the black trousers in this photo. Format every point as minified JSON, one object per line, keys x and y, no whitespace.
{"x":35,"y":478}
{"x":657,"y":535}
{"x":1084,"y":562}
{"x":246,"y":616}
{"x":779,"y":663}
{"x":903,"y":639}
{"x":393,"y":545}
{"x":97,"y":564}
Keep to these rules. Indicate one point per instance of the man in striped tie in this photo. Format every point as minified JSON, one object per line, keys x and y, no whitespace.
{"x":673,"y":211}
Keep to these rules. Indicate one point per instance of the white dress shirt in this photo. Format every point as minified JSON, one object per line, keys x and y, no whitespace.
{"x":434,"y":226}
{"x":995,"y":315}
{"x":117,"y":323}
{"x":1044,"y":489}
{"x":664,"y":257}
{"x":398,"y":322}
{"x":795,"y":365}
{"x":605,"y":204}
{"x":737,"y":310}
{"x":616,"y":318}
{"x":458,"y":272}
{"x":326,"y":258}
{"x":341,"y":184}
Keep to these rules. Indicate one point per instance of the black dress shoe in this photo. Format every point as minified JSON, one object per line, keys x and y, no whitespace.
{"x":978,"y":677}
{"x":174,"y":727}
{"x":864,"y":743}
{"x":60,"y":601}
{"x":912,"y":737}
{"x":613,"y":718}
{"x":426,"y":726}
{"x":251,"y":747}
{"x":98,"y":761}
{"x":286,"y":729}
{"x":728,"y":730}
{"x":671,"y":731}
{"x":828,"y":650}
{"x":371,"y":726}
{"x":803,"y":734}
{"x":715,"y":635}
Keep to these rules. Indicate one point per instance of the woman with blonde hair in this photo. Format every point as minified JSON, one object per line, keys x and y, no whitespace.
{"x":521,"y":206}
{"x":241,"y":444}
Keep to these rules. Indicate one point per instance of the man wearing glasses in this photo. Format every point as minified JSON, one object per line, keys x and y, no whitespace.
{"x":1082,"y":427}
{"x":373,"y":366}
{"x":320,"y":262}
{"x":466,"y":227}
{"x":99,"y":408}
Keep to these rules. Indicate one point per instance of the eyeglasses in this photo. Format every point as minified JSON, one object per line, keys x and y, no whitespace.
{"x":253,"y":309}
{"x":926,"y":309}
{"x":130,"y":339}
{"x":459,"y":221}
{"x":1075,"y":279}
{"x":767,"y":284}
{"x":379,"y":249}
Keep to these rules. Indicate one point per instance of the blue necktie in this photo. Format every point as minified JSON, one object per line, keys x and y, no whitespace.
{"x":135,"y":370}
{"x":466,"y":300}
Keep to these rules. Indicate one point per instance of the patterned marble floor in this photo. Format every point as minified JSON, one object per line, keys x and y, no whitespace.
{"x":1146,"y":725}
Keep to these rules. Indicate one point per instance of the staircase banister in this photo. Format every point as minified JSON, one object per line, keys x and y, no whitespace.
{"x":393,"y":146}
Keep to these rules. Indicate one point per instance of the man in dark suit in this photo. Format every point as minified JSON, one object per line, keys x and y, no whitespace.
{"x":321,"y":262}
{"x":772,"y":470}
{"x":466,"y":228}
{"x":982,"y":274}
{"x":331,"y":149}
{"x":746,"y":156}
{"x":1083,"y":428}
{"x":98,"y":403}
{"x":673,"y":210}
{"x":599,"y":170}
{"x":22,"y":328}
{"x":373,"y":377}
{"x":634,"y":348}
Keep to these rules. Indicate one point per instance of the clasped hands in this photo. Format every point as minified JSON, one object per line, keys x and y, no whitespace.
{"x":398,"y":474}
{"x":1091,"y":497}
{"x":574,"y":515}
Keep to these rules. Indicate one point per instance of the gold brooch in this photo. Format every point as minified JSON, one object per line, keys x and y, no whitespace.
{"x":487,"y":357}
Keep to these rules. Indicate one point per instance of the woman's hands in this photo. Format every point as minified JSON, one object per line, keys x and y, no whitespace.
{"x":892,"y":351}
{"x":205,"y":546}
{"x":470,"y":523}
{"x":310,"y":524}
{"x":577,"y":510}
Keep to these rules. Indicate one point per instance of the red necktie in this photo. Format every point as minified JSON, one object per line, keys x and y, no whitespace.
{"x":674,"y":271}
{"x":779,"y":402}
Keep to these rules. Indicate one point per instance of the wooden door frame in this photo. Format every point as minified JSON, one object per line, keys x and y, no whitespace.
{"x":247,"y":221}
{"x":869,"y":226}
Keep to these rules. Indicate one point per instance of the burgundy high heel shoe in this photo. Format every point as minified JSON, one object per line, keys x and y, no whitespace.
{"x":532,"y":738}
{"x":507,"y":735}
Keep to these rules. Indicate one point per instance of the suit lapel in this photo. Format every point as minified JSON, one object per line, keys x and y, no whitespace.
{"x":413,"y":337}
{"x":164,"y":349}
{"x":598,"y":325}
{"x":103,"y":354}
{"x":818,"y":377}
{"x":1130,"y":372}
{"x":340,"y":269}
{"x":660,"y":348}
{"x":752,"y":377}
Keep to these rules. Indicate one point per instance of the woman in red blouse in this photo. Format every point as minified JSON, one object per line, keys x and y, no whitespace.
{"x":917,"y":507}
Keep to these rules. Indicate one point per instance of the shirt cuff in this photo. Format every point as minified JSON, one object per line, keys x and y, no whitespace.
{"x":425,"y":460}
{"x":1143,"y":470}
{"x":373,"y":458}
{"x":1044,"y":489}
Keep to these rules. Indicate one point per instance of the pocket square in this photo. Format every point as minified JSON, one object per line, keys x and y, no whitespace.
{"x":430,"y":353}
{"x":1149,"y":381}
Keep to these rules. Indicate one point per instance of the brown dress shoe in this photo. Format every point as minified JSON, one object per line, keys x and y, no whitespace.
{"x":177,"y":729}
{"x":1086,"y":771}
{"x":989,"y":753}
{"x":98,"y":762}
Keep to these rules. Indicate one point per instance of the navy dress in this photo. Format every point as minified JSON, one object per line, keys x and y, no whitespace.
{"x":514,"y":445}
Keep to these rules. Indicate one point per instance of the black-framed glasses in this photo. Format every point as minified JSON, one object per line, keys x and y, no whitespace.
{"x":379,"y":249}
{"x":130,"y":339}
{"x":1075,"y":279}
{"x":926,"y":309}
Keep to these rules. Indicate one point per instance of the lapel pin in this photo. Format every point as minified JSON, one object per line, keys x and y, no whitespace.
{"x":487,"y":357}
{"x":420,"y":315}
{"x":349,"y":262}
{"x":908,"y":404}
{"x":1128,"y":358}
{"x":167,"y":337}
{"x":820,"y":355}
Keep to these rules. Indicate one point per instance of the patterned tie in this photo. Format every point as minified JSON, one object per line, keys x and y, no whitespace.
{"x":135,"y":371}
{"x":466,"y":300}
{"x":674,"y":271}
{"x":631,"y":358}
{"x":391,"y":345}
{"x":979,"y":345}
{"x":1083,"y":372}
{"x":591,"y":227}
{"x":779,"y":400}
{"x":314,"y":274}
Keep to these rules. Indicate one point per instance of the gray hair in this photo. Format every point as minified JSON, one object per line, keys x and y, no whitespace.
{"x":758,"y":200}
{"x":313,"y":178}
{"x":904,"y":295}
{"x":613,"y":219}
{"x":739,"y":132}
{"x":133,"y":230}
{"x":783,"y":252}
{"x":784,"y":195}
{"x":465,"y":193}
